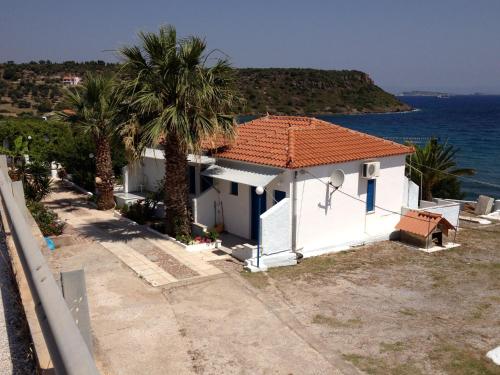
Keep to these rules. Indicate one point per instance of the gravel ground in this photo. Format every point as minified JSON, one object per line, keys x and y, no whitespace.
{"x":16,"y":353}
{"x":391,"y":309}
{"x":162,"y":259}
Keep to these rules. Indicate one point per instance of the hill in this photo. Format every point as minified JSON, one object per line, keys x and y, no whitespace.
{"x":35,"y":88}
{"x":312,"y":91}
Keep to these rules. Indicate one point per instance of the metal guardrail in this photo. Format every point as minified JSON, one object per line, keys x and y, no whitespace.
{"x":66,"y":346}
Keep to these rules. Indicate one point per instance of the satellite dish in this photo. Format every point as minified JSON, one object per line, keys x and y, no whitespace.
{"x":337,"y":178}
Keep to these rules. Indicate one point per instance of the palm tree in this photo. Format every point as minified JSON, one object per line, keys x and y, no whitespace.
{"x":180,"y":102}
{"x":436,"y":162}
{"x":95,"y":109}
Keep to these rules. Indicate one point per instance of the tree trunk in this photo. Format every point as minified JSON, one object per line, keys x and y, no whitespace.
{"x":104,"y":174}
{"x":427,"y":191}
{"x":177,"y":209}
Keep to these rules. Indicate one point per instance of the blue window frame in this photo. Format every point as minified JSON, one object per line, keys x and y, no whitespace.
{"x":234,"y":188}
{"x":206,"y":183}
{"x":370,"y":195}
{"x":192,"y":180}
{"x":279,"y":195}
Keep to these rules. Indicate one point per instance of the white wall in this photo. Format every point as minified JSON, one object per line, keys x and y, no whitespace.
{"x":449,"y":210}
{"x":411,"y":193}
{"x":236,"y":209}
{"x":276,"y":228}
{"x":282,"y":183}
{"x":132,"y":176}
{"x":153,"y":171}
{"x":204,"y":207}
{"x":328,"y":219}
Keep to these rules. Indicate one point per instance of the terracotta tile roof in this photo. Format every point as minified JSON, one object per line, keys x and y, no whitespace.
{"x":297,"y":142}
{"x":423,"y":223}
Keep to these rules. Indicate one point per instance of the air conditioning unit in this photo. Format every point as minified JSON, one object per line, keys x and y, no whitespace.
{"x":371,"y":169}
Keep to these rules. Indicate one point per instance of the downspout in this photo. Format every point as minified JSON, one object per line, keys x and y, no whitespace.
{"x":294,"y":217}
{"x":291,"y":157}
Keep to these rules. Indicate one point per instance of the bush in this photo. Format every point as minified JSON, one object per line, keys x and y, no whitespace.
{"x":141,"y":211}
{"x":185,"y":239}
{"x":213,"y":235}
{"x":46,"y":219}
{"x":37,"y":182}
{"x":35,"y":176}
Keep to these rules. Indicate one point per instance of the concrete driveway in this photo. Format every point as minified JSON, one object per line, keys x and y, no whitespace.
{"x":213,"y":323}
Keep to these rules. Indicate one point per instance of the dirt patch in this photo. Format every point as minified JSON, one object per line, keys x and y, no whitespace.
{"x":334,"y":323}
{"x":390,"y":309}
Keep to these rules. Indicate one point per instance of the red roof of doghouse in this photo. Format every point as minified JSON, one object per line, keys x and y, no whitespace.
{"x":423,"y":223}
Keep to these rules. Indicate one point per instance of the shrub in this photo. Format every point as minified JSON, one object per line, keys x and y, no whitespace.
{"x":185,"y":239}
{"x":141,"y":211}
{"x":37,"y":182}
{"x":35,"y":176}
{"x":46,"y":219}
{"x":213,"y":235}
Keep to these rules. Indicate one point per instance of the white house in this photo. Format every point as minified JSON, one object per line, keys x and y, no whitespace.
{"x":326,"y":187}
{"x":71,"y":80}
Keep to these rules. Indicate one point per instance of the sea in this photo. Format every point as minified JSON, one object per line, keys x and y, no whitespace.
{"x":470,"y":123}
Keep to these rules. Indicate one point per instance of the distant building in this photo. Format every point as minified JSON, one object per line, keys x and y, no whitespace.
{"x":71,"y":80}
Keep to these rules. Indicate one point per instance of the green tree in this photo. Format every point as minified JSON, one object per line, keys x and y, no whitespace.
{"x":180,"y":101}
{"x":96,"y":107}
{"x":436,"y":161}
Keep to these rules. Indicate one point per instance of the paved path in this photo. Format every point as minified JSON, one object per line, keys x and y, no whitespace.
{"x":121,"y":236}
{"x":204,"y":321}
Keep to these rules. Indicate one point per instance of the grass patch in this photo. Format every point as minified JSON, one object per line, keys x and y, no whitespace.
{"x":312,"y":265}
{"x":480,"y":310}
{"x":397,"y":346}
{"x":439,"y":277}
{"x":378,"y":366}
{"x":333,"y":322}
{"x":462,"y":361}
{"x":408,"y":312}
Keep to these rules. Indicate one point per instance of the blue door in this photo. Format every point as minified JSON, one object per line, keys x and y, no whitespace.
{"x":279,"y":195}
{"x":192,"y":180}
{"x":370,"y":196}
{"x":255,"y":211}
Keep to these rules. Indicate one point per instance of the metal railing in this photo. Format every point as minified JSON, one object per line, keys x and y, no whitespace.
{"x":66,"y":346}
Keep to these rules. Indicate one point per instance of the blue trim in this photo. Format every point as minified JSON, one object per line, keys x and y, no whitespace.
{"x":206,"y":183}
{"x":234,"y":188}
{"x":192,"y":180}
{"x":258,"y":203}
{"x":279,"y":195}
{"x":370,"y":195}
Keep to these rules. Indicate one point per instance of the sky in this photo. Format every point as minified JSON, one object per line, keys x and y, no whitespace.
{"x":442,"y":45}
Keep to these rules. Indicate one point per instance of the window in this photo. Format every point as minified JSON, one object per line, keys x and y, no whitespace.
{"x":234,"y":188}
{"x":370,"y":195}
{"x":206,"y":183}
{"x":192,"y":180}
{"x":279,"y":195}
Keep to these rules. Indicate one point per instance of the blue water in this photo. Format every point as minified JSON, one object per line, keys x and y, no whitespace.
{"x":471,"y":123}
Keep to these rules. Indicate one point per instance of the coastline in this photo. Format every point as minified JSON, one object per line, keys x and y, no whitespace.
{"x":254,"y":115}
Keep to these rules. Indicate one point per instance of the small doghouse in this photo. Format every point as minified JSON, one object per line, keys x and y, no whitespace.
{"x":424,"y":229}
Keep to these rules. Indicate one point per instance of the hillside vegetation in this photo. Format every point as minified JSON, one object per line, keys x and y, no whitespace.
{"x":35,"y":88}
{"x":312,"y":91}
